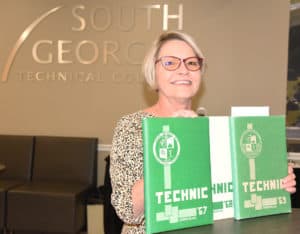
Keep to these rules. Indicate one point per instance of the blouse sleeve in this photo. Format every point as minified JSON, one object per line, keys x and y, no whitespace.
{"x":126,"y":167}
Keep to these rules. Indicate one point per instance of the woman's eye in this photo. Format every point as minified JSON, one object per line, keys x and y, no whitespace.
{"x":193,"y":63}
{"x":168,"y":63}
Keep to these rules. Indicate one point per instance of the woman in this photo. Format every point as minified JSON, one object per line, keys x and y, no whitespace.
{"x":173,"y":67}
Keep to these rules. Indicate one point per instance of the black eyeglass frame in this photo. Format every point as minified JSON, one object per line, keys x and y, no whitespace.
{"x":200,"y":60}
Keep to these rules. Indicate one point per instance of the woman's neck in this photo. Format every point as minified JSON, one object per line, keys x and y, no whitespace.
{"x":166,"y":108}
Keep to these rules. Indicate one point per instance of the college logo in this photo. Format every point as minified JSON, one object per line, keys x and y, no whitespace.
{"x":251,"y":142}
{"x":166,"y":149}
{"x":251,"y":146}
{"x":82,"y":59}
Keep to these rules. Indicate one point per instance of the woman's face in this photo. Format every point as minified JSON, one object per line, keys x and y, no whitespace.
{"x":180,"y":84}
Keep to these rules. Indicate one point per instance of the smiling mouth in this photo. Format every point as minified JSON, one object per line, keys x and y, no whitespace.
{"x":181,"y":82}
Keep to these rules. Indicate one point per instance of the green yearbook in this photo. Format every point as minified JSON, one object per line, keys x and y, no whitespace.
{"x":259,"y":163}
{"x":177,"y":177}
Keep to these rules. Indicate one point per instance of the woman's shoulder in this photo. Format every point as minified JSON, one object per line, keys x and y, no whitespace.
{"x":130,"y":123}
{"x":134,"y":117}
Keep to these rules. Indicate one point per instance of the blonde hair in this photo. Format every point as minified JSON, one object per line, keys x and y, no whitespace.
{"x":150,"y":58}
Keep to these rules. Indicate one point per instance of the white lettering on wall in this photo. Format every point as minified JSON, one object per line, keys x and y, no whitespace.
{"x":166,"y":17}
{"x":82,"y":22}
{"x":35,"y":52}
{"x":101,"y":19}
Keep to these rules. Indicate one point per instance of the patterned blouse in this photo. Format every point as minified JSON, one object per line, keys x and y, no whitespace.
{"x":126,"y":167}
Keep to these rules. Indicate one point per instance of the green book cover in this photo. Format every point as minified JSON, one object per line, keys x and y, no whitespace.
{"x":177,"y":176}
{"x":259,"y":163}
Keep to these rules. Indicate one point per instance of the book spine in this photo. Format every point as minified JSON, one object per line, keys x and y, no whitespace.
{"x":234,"y":167}
{"x":221,"y":173}
{"x":146,"y":152}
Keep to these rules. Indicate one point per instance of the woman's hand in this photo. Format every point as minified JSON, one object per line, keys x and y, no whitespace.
{"x":138,"y":198}
{"x":185,"y":113}
{"x":289,"y":182}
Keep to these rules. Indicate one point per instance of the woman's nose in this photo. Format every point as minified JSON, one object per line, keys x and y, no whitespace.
{"x":182,"y":68}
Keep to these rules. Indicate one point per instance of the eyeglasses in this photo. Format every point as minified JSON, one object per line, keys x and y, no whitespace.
{"x":171,"y":63}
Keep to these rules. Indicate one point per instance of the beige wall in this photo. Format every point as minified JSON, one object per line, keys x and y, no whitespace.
{"x":245,"y":43}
